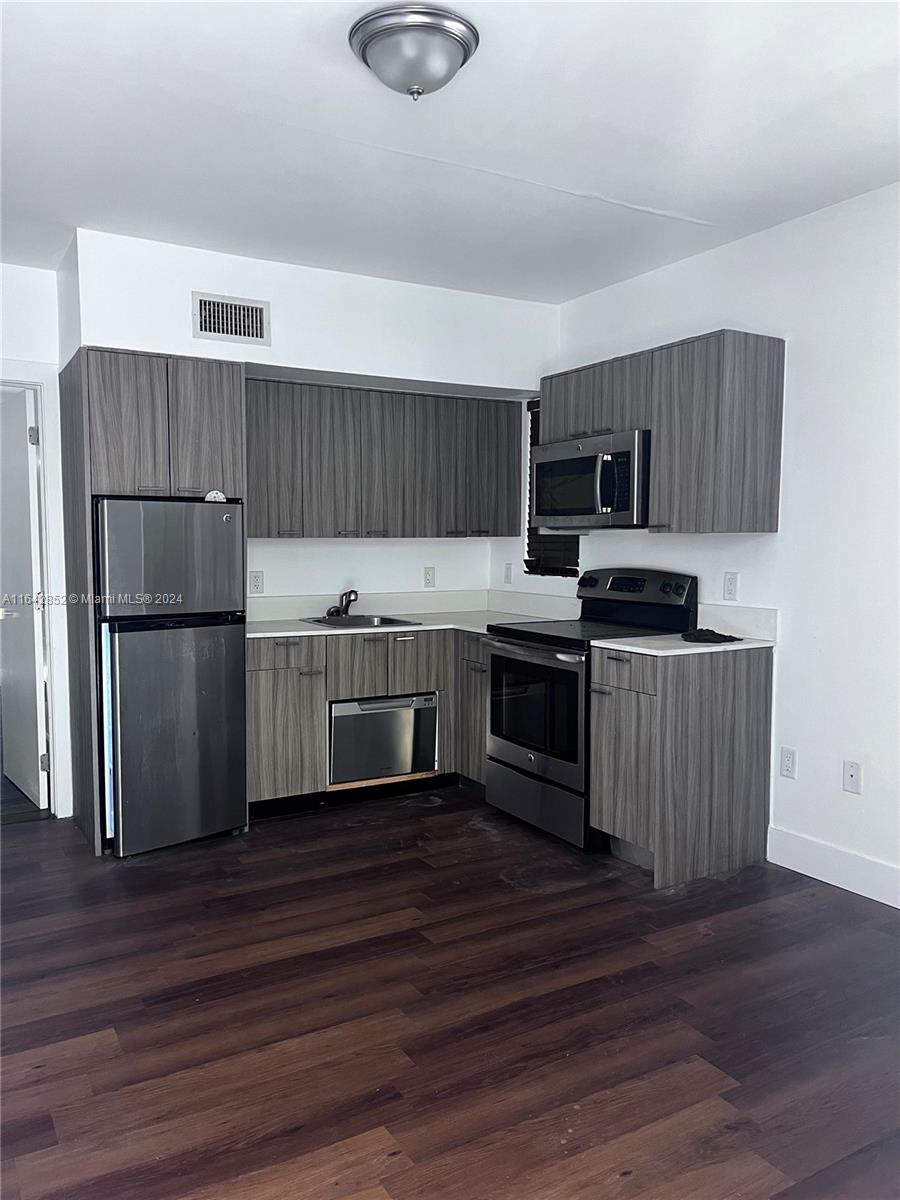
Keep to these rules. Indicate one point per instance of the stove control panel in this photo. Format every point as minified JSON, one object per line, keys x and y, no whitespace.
{"x":644,"y":585}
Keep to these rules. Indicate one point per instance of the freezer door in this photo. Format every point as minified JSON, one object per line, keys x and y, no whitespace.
{"x":174,"y":732}
{"x":169,"y":558}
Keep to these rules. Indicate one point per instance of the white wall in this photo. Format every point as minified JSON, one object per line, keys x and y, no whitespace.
{"x":137,"y":294}
{"x":322,"y":567}
{"x":827,"y":283}
{"x":28,"y":314}
{"x":28,"y":354}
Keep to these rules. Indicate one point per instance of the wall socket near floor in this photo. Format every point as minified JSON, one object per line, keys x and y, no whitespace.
{"x":507,"y":572}
{"x":429,"y":577}
{"x":853,"y":777}
{"x":730,"y":585}
{"x":257,"y":583}
{"x":788,"y":762}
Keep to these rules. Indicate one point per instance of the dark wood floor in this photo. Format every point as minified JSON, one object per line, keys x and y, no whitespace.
{"x":420,"y":999}
{"x":15,"y":805}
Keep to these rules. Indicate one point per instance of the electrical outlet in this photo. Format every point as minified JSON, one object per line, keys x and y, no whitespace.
{"x":257,"y":583}
{"x":853,"y":776}
{"x":507,"y":572}
{"x":730,"y":586}
{"x":429,"y":576}
{"x":788,"y":762}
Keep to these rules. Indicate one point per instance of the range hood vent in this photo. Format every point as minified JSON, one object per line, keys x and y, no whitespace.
{"x":231,"y":319}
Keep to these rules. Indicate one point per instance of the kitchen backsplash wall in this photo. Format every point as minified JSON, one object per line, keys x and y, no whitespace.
{"x":321,"y":566}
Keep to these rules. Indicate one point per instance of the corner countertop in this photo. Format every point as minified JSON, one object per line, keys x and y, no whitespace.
{"x":662,"y":645}
{"x":468,"y":622}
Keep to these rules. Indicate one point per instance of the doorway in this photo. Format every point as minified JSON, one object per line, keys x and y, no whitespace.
{"x":24,"y":674}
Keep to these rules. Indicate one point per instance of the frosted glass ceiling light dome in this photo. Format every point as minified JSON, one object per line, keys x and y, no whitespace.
{"x":414,"y":49}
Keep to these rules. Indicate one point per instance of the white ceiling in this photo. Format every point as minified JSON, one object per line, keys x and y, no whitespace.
{"x":251,"y":128}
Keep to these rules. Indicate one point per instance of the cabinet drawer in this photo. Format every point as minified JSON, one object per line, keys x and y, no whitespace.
{"x":265,"y":654}
{"x":472,"y":648}
{"x":620,"y":668}
{"x":420,"y":662}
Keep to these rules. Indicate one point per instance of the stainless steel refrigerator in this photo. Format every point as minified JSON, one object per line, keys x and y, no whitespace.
{"x":170,"y":640}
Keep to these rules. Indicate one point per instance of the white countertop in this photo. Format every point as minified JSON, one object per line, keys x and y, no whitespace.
{"x":672,"y":643}
{"x":469,"y":622}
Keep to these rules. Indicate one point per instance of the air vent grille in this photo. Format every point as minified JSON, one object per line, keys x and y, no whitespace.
{"x":231,"y":319}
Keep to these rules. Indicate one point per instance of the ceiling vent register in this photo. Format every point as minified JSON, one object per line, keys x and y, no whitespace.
{"x":231,"y":319}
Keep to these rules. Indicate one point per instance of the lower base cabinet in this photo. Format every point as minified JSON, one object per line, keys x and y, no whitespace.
{"x":287,"y":736}
{"x":471,"y":718}
{"x":684,"y":773}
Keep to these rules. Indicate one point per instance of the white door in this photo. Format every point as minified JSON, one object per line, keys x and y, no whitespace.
{"x":22,"y":658}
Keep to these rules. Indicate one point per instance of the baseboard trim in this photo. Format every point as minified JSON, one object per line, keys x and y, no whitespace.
{"x":845,"y":869}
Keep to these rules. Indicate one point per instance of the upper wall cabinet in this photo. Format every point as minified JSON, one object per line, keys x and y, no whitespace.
{"x":338,"y":462}
{"x":607,"y":397}
{"x":206,"y":427}
{"x":713,"y":405}
{"x":164,"y":427}
{"x":129,"y":423}
{"x":274,"y":441}
{"x":715,"y":455}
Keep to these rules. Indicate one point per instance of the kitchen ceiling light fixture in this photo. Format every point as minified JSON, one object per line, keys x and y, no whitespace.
{"x":414,"y":49}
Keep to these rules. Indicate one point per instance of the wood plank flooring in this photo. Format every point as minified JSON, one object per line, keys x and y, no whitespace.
{"x":421,"y":999}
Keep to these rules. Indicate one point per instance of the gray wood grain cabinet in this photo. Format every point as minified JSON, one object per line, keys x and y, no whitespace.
{"x":421,"y":662}
{"x":206,"y":427}
{"x":357,"y":665}
{"x":274,"y":454}
{"x":287,"y":712}
{"x":129,"y":423}
{"x":604,"y":397}
{"x":684,"y":773}
{"x":494,"y":463}
{"x":338,"y":462}
{"x":286,"y":732}
{"x":471,"y":719}
{"x":716,"y":408}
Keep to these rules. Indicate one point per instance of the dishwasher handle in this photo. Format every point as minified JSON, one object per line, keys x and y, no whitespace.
{"x":386,"y":705}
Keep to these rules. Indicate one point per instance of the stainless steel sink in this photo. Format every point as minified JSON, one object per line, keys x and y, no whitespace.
{"x":358,"y":621}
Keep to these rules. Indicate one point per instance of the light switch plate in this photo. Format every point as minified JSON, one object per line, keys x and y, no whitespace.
{"x":257,"y":583}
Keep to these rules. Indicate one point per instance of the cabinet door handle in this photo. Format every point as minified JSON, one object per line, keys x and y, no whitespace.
{"x":479,"y":533}
{"x":290,"y":533}
{"x":376,"y":533}
{"x":599,"y":691}
{"x":348,"y":533}
{"x":312,"y":671}
{"x":374,"y":637}
{"x":144,"y":488}
{"x":405,"y":637}
{"x":455,"y":533}
{"x":192,"y":491}
{"x":289,"y":642}
{"x":618,"y":658}
{"x":477,"y":667}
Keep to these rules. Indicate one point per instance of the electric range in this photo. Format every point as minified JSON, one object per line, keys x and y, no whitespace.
{"x":539,"y":679}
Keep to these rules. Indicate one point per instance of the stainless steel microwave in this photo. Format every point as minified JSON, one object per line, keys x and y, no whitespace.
{"x":592,"y":483}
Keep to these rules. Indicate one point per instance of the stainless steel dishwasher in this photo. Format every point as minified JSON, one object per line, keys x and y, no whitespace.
{"x":385,"y":738}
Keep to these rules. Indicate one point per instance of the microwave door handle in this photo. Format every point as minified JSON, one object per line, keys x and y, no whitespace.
{"x":604,"y":464}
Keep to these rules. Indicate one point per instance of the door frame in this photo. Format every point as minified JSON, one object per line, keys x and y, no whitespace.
{"x":48,"y":666}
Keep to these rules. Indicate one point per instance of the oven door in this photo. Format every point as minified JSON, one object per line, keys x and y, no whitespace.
{"x":565,"y":484}
{"x":536,"y":711}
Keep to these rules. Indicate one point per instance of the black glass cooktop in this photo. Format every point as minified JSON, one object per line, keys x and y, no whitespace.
{"x":569,"y":635}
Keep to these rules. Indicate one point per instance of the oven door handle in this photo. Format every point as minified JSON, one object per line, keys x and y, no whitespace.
{"x":525,"y":651}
